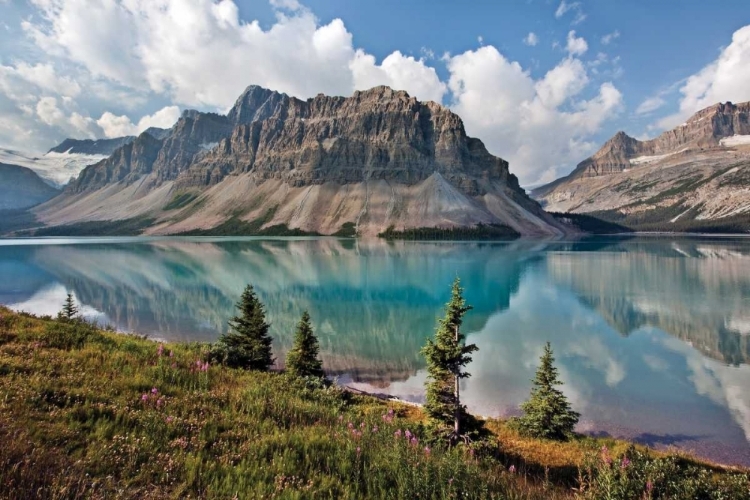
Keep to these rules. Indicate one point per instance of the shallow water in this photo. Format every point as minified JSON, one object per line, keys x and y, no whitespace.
{"x":651,"y":335}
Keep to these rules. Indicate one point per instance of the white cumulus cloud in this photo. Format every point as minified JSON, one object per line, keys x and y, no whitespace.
{"x":574,"y":7}
{"x":725,"y":79}
{"x":576,"y":46}
{"x":531,"y":39}
{"x":542,"y":127}
{"x":650,"y":105}
{"x":119,"y":126}
{"x":202,"y":54}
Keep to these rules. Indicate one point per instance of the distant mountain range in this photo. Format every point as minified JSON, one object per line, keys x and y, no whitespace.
{"x":21,"y":188}
{"x":694,"y":177}
{"x":276,"y":164}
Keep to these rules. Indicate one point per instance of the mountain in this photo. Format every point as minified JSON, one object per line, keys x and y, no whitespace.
{"x":21,"y":188}
{"x":693,"y":177}
{"x":377,"y":159}
{"x":91,"y":147}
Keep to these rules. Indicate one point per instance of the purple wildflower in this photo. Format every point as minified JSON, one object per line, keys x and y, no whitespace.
{"x":144,"y":397}
{"x":350,"y":425}
{"x":427,"y":450}
{"x":408,"y":434}
{"x":375,"y":429}
{"x":171,"y":354}
{"x":170,"y":419}
{"x":512,"y":469}
{"x":649,"y":486}
{"x":160,"y":350}
{"x":358,"y":450}
{"x":362,"y":425}
{"x":624,"y":463}
{"x":605,"y":455}
{"x":397,"y":434}
{"x":414,"y":441}
{"x":154,"y":390}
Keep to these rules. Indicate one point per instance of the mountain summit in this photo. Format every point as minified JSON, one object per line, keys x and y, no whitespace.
{"x":698,"y":171}
{"x":375,"y":160}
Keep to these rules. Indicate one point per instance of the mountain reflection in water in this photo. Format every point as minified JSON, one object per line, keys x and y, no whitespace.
{"x":646,"y":331}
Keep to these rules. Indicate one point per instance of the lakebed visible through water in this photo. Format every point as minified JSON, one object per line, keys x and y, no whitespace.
{"x":651,"y":335}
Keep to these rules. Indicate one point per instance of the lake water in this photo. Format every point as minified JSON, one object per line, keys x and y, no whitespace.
{"x":652,"y":336}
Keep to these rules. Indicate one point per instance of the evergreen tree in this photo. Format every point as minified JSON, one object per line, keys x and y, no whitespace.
{"x":447,"y":355}
{"x":69,"y":310}
{"x":547,"y":413}
{"x":302,"y":360}
{"x":248,"y":345}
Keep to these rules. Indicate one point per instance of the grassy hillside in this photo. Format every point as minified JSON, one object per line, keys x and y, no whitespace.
{"x":86,"y":413}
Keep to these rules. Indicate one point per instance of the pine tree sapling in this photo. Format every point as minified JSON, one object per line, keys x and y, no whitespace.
{"x":302,"y":360}
{"x":69,"y":309}
{"x":547,"y":413}
{"x":248,"y":344}
{"x":447,"y":354}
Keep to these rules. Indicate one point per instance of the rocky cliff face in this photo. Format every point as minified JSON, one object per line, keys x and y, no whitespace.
{"x":377,"y":158}
{"x":687,"y":177}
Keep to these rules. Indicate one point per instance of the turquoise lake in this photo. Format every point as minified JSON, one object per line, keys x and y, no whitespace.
{"x":651,"y":335}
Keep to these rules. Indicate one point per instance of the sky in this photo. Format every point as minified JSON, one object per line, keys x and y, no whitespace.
{"x":543,"y":83}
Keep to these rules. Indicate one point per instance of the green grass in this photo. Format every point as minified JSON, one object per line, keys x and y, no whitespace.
{"x":78,"y":419}
{"x":179,"y":200}
{"x":590,"y":224}
{"x":234,"y":226}
{"x":16,"y":220}
{"x":478,"y":232}
{"x":123,"y":227}
{"x":348,"y":230}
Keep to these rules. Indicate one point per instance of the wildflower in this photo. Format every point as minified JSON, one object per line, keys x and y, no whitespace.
{"x":450,"y":481}
{"x":649,"y":486}
{"x":154,"y":390}
{"x":471,"y":451}
{"x":624,"y":463}
{"x":160,"y":350}
{"x":350,"y":425}
{"x":512,"y":469}
{"x":414,"y":441}
{"x":427,"y":450}
{"x":605,"y":455}
{"x":159,"y":402}
{"x":144,"y":397}
{"x":408,"y":434}
{"x":362,"y":425}
{"x":375,"y":429}
{"x":397,"y":434}
{"x":171,"y":354}
{"x":358,"y":450}
{"x":170,"y":419}
{"x":390,"y":412}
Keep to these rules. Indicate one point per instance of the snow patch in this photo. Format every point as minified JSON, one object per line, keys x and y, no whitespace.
{"x":54,"y":168}
{"x":735,"y":140}
{"x":648,"y":159}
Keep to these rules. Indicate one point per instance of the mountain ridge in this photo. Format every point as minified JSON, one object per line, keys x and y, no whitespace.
{"x":692,"y":177}
{"x":376,"y":159}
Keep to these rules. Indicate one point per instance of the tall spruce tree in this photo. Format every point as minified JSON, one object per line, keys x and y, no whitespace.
{"x":69,"y":309}
{"x":547,"y":413}
{"x":447,"y":355}
{"x":248,"y":344}
{"x":302,"y":360}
